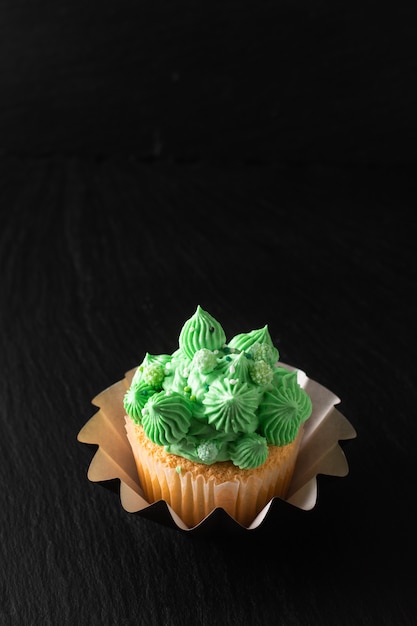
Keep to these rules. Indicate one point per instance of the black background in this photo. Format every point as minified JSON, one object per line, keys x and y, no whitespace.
{"x":258,"y":159}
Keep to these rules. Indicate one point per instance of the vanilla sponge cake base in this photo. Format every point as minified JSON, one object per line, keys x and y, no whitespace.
{"x":193,"y":490}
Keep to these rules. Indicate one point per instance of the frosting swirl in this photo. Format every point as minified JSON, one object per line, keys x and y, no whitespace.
{"x":166,"y":417}
{"x":135,"y":399}
{"x":249,"y":451}
{"x":246,"y":341}
{"x":236,"y":366}
{"x":201,"y":331}
{"x":230,"y":406}
{"x":282,"y":411}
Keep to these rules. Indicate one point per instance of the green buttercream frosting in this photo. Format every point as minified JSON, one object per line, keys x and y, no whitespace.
{"x":236,"y":366}
{"x":211,"y":401}
{"x":201,"y":331}
{"x":198,"y":384}
{"x":249,"y":451}
{"x":250,"y":341}
{"x":135,"y":399}
{"x":283,"y":409}
{"x":231,"y":406}
{"x":166,"y":417}
{"x":152,"y":370}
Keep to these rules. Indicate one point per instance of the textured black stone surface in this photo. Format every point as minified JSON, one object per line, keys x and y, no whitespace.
{"x":259,"y":160}
{"x":243,"y":80}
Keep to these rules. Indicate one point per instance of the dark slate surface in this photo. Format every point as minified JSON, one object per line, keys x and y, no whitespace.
{"x":156,"y":157}
{"x":254,"y":80}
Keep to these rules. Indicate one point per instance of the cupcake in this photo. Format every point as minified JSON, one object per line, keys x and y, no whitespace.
{"x":216,"y":423}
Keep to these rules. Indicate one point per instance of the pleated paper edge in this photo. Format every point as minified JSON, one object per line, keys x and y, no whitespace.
{"x":109,"y":461}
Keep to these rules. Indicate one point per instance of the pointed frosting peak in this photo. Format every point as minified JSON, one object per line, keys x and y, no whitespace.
{"x":254,"y":340}
{"x":201,"y":331}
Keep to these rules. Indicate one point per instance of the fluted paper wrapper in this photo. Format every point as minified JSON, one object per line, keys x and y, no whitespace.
{"x":194,"y":495}
{"x":319,"y":453}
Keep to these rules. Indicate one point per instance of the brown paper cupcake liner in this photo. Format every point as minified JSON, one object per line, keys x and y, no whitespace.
{"x":193,"y":495}
{"x":320,"y":453}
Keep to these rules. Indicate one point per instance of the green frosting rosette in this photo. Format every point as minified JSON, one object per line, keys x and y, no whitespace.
{"x":214,"y":401}
{"x":249,"y":449}
{"x":166,"y":417}
{"x":283,"y":409}
{"x":135,"y":399}
{"x":230,"y":406}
